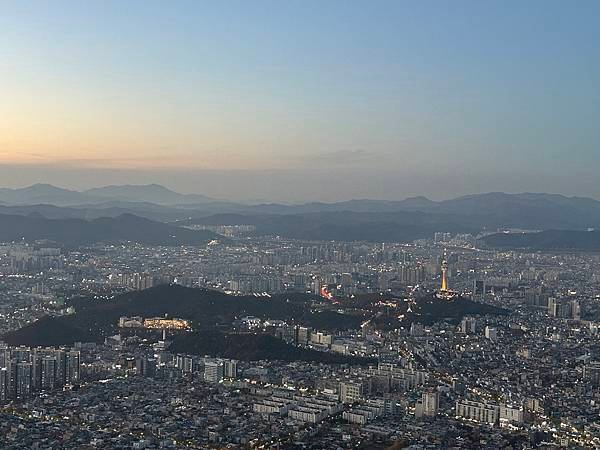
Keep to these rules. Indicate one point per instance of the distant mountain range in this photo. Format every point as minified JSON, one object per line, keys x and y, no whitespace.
{"x":150,"y":193}
{"x":400,"y":226}
{"x":52,"y":195}
{"x":416,"y":218}
{"x":526,"y":210}
{"x":369,"y":220}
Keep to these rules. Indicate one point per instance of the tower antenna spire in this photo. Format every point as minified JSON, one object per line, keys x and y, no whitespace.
{"x":444,"y":273}
{"x":445,"y":292}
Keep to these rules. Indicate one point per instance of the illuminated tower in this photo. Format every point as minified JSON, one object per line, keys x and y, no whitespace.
{"x":444,"y":274}
{"x":445,"y":293}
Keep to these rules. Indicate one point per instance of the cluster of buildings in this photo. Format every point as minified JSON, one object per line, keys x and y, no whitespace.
{"x":26,"y":258}
{"x":527,"y":378}
{"x":306,"y":409}
{"x":155,"y":323}
{"x":139,"y":281}
{"x":25,"y":371}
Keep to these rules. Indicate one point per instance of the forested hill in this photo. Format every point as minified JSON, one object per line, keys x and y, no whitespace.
{"x":73,"y":232}
{"x":546,"y":240}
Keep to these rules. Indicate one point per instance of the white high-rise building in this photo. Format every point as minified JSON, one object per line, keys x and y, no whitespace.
{"x":431,"y":403}
{"x":491,"y":333}
{"x":230,"y":369}
{"x":478,"y":411}
{"x":468,"y":325}
{"x":214,"y":370}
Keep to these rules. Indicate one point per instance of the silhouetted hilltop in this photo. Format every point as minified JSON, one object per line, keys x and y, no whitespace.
{"x":97,"y":319}
{"x":153,"y":193}
{"x":546,"y":240}
{"x":51,"y":331}
{"x":429,"y":309}
{"x":41,"y":193}
{"x":71,"y":232}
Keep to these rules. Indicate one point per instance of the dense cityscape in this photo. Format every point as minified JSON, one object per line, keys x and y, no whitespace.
{"x":509,"y":360}
{"x":299,"y":225}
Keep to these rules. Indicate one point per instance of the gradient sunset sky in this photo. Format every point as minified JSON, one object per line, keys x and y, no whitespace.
{"x":302,"y":100}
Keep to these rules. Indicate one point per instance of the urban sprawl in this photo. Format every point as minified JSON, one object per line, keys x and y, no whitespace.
{"x":518,"y":368}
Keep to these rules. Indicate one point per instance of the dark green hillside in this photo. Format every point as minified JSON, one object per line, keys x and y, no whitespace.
{"x":429,"y":309}
{"x":94,"y":320}
{"x":74,"y":232}
{"x":546,"y":240}
{"x":50,"y":331}
{"x":252,"y":347}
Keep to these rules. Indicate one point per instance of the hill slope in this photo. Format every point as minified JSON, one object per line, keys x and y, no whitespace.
{"x":96,"y":319}
{"x":252,"y":347}
{"x":428,"y":309}
{"x":72,"y":232}
{"x":204,"y":308}
{"x":400,"y":226}
{"x":546,"y":240}
{"x":93,"y":321}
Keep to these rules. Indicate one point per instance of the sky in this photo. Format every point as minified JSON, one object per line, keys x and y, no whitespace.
{"x":302,"y":100}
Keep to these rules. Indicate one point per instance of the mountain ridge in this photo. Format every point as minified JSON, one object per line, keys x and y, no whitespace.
{"x":136,"y":192}
{"x":359,"y":219}
{"x":152,"y":193}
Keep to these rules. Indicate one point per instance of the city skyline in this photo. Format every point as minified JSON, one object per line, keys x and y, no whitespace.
{"x":301,"y":102}
{"x":299,"y":225}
